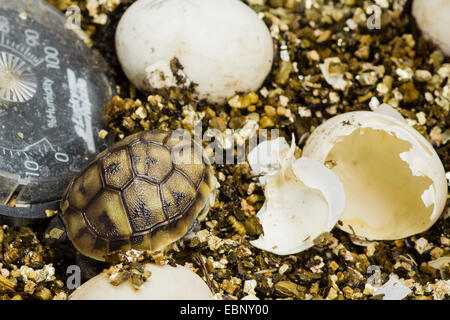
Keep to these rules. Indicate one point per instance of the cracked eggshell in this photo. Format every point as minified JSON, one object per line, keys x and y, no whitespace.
{"x":393,"y":179}
{"x":222,"y":45}
{"x":265,"y":159}
{"x":165,"y":283}
{"x":432,"y":17}
{"x":303,"y":198}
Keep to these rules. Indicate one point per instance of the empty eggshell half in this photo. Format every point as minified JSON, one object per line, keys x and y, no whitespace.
{"x":303,"y":198}
{"x":394,"y":181}
{"x":432,"y":17}
{"x":165,"y":283}
{"x":221,"y":45}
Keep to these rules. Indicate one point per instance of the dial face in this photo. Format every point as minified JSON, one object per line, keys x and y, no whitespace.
{"x":17,"y":82}
{"x":51,"y":99}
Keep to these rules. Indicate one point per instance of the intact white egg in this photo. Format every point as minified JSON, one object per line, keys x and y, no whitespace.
{"x":394,"y":181}
{"x":165,"y":283}
{"x":221,"y":45}
{"x":303,"y":198}
{"x":433,"y":18}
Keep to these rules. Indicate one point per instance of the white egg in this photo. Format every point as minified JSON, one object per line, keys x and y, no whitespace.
{"x":222,"y":46}
{"x":165,"y":283}
{"x":394,"y":181}
{"x":303,"y":198}
{"x":433,"y":18}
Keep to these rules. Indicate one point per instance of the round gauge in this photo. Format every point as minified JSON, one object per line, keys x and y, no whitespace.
{"x":52,"y":92}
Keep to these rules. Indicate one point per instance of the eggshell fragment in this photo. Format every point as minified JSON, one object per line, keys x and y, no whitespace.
{"x":432,"y":17}
{"x":394,"y":181}
{"x":303,"y":198}
{"x":165,"y":283}
{"x":221,"y":45}
{"x":394,"y":289}
{"x":442,"y":264}
{"x":266,"y":158}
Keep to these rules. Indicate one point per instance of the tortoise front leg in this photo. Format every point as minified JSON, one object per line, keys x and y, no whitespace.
{"x":56,"y":237}
{"x":89,"y":267}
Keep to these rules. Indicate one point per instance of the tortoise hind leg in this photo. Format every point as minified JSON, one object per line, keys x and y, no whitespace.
{"x":56,"y":237}
{"x":195,"y":226}
{"x":204,"y":212}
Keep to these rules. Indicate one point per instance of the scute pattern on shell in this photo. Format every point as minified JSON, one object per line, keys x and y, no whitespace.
{"x":142,"y":193}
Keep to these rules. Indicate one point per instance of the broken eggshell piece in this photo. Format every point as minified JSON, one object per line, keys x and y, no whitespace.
{"x":303,"y":198}
{"x":394,"y":181}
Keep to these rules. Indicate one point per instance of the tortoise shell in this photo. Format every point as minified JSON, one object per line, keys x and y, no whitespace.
{"x":142,"y":193}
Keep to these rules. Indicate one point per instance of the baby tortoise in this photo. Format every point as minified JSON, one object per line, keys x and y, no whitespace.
{"x":143,"y":193}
